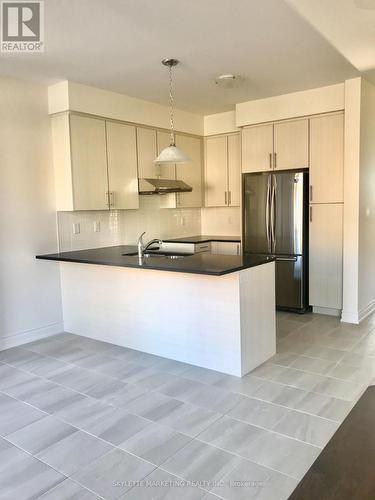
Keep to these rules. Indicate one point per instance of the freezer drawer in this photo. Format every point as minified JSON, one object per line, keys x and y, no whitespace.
{"x":290,"y":284}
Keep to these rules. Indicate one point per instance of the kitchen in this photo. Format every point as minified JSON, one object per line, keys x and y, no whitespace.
{"x":265,"y":202}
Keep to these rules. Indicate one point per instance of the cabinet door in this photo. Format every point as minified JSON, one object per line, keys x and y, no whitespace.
{"x":89,"y":163}
{"x":291,"y":145}
{"x":225,"y":248}
{"x":190,"y":172}
{"x":234,"y":170}
{"x":325,"y":260}
{"x":257,"y":148}
{"x":147,"y":152}
{"x":216,"y":171}
{"x":327,"y":159}
{"x":165,"y":171}
{"x":122,"y":165}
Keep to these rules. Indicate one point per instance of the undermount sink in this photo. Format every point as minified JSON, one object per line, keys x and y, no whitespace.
{"x":157,"y":254}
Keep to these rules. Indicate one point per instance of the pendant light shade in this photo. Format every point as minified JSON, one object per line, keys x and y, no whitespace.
{"x":171,"y":154}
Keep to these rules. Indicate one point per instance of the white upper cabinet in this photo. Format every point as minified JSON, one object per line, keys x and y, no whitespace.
{"x":327,"y":159}
{"x":100,"y":164}
{"x":216,"y":171}
{"x":291,"y":145}
{"x":88,"y":155}
{"x":276,"y":146}
{"x":164,"y":171}
{"x":234,"y":170}
{"x":147,"y":152}
{"x":325,"y":255}
{"x":190,"y":172}
{"x":222,"y":171}
{"x":122,"y":166}
{"x":257,"y":148}
{"x":89,"y":163}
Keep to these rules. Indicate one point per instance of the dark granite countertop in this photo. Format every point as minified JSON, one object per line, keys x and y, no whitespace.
{"x":199,"y":263}
{"x":204,"y":239}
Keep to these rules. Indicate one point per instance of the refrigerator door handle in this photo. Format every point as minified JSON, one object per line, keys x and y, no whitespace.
{"x":273,"y":213}
{"x":268,"y":228}
{"x":287,"y":259}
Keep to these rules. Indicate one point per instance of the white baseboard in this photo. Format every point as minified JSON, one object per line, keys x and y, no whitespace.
{"x":349,"y":317}
{"x":366,"y":311}
{"x":21,"y":338}
{"x":327,"y":311}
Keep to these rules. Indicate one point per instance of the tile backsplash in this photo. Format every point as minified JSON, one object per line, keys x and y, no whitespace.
{"x":221,"y":221}
{"x":119,"y":227}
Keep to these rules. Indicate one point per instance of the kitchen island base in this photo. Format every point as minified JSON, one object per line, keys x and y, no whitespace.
{"x":225,"y":323}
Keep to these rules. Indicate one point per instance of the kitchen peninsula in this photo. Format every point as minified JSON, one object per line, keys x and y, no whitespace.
{"x":214,"y":311}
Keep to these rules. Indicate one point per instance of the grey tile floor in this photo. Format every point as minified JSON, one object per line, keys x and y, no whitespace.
{"x":82,"y":419}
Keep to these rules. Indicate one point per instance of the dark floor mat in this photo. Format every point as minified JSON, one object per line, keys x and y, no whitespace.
{"x":345,"y":470}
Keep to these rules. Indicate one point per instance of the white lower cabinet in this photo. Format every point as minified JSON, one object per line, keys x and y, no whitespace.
{"x":225,"y":248}
{"x":325,"y":256}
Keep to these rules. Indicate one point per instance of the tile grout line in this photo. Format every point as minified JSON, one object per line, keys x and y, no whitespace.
{"x":185,"y":402}
{"x":151,"y":463}
{"x":4,"y":390}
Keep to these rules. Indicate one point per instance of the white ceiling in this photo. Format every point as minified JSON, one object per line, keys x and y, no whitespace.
{"x":349,"y":25}
{"x":118,"y":45}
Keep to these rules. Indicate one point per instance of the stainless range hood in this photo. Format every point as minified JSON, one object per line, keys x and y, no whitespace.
{"x":163,"y":186}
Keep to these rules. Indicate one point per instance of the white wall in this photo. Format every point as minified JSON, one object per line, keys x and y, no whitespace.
{"x":30,"y":301}
{"x":366,"y":281}
{"x":118,"y":227}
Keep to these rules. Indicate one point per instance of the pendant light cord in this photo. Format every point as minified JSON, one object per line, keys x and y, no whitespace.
{"x":171,"y":120}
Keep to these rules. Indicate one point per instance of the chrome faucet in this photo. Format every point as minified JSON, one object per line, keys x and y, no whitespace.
{"x":143,"y":248}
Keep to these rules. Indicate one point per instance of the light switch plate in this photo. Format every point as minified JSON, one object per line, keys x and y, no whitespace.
{"x":76,"y":228}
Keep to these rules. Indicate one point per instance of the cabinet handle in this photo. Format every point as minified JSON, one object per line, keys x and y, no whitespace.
{"x":270,"y":160}
{"x":275,"y":160}
{"x":311,"y":193}
{"x":226,"y":197}
{"x":310,"y":214}
{"x":111,"y":198}
{"x":229,"y":197}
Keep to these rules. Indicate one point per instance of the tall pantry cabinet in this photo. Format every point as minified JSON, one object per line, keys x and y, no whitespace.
{"x":326,"y":212}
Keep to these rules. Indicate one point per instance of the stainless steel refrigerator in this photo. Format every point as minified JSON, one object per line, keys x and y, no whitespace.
{"x":275,"y":212}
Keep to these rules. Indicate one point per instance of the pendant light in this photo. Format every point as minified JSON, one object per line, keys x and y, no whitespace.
{"x":171,"y":154}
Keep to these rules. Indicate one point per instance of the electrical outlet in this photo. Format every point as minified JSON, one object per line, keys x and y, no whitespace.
{"x":76,"y":228}
{"x":182,"y":221}
{"x":97,"y":226}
